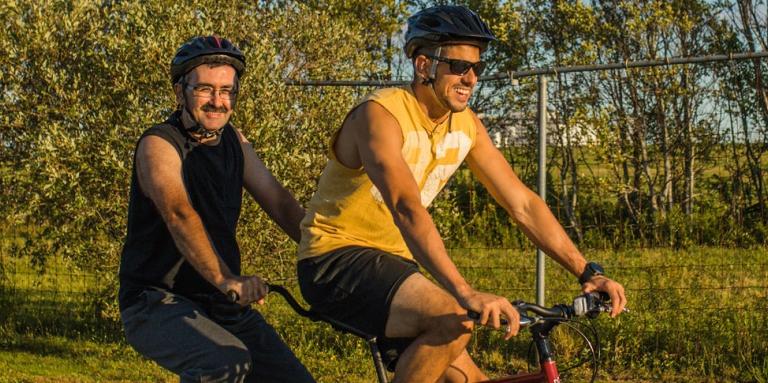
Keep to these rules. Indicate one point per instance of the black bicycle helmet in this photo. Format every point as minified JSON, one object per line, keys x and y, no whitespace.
{"x":445,"y":23}
{"x":206,"y":50}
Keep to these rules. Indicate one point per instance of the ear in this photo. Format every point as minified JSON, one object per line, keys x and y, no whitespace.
{"x":421,"y":66}
{"x":179,"y":91}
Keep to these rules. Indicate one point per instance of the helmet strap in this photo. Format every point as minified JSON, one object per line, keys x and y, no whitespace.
{"x":430,"y":79}
{"x":433,"y":67}
{"x":432,"y":76}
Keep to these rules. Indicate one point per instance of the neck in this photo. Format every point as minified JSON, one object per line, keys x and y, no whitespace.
{"x":429,"y":103}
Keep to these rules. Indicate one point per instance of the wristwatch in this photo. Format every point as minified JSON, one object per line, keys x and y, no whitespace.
{"x":590,"y":271}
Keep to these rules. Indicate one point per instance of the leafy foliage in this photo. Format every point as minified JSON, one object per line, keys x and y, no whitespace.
{"x":675,"y":156}
{"x":79,"y":90}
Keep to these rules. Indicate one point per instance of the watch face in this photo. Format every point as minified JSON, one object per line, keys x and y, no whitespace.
{"x":590,"y":271}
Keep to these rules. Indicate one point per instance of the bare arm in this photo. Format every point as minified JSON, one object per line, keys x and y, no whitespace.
{"x":532,"y":214}
{"x":276,"y":201}
{"x":522,"y":204}
{"x":159,"y":173}
{"x":379,"y":144}
{"x":378,"y":140}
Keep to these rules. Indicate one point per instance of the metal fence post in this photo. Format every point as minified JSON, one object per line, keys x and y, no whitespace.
{"x":542,"y":89}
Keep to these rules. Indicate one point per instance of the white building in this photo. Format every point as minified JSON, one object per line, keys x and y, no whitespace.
{"x":521,"y":129}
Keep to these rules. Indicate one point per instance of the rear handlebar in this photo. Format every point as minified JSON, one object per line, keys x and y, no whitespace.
{"x":233,"y":297}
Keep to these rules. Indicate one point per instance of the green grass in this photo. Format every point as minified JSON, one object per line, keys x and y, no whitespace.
{"x":51,"y":358}
{"x":695,"y":316}
{"x":698,"y":313}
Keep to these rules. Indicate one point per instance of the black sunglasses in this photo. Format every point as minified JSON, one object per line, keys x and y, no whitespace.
{"x":461,"y":67}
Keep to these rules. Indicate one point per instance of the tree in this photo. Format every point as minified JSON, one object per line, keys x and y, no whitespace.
{"x":78,"y":91}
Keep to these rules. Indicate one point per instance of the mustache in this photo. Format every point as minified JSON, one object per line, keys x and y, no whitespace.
{"x":214,"y":109}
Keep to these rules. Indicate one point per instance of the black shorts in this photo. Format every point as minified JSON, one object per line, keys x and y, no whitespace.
{"x":355,"y":286}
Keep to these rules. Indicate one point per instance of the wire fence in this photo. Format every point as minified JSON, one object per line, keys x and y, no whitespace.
{"x":65,"y":292}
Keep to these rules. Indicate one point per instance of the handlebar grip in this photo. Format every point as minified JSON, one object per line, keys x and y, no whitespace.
{"x":233,"y":296}
{"x":475,"y":316}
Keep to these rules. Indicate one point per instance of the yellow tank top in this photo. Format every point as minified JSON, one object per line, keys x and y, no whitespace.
{"x":347,"y":209}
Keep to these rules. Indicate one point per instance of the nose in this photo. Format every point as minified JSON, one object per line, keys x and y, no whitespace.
{"x":216,"y":98}
{"x":469,"y":78}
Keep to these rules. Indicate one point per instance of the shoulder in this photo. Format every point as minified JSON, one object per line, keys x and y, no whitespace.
{"x":240,"y":136}
{"x":389,"y":103}
{"x":389,"y":97}
{"x":233,"y":135}
{"x":153,"y":145}
{"x":163,"y":129}
{"x":168,"y":132}
{"x":369,"y":114}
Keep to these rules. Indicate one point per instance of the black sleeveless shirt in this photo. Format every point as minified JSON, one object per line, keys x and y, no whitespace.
{"x":213,"y":177}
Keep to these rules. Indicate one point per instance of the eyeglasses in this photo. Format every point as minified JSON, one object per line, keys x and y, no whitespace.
{"x":461,"y":67}
{"x":207,"y":91}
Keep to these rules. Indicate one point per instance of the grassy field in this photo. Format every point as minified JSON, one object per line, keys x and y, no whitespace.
{"x":696,"y":315}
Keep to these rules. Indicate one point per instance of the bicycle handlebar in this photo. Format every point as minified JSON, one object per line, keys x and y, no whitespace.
{"x":589,"y":305}
{"x":234,"y":297}
{"x":290,"y":299}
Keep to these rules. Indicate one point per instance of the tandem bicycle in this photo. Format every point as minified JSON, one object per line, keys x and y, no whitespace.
{"x":540,"y":320}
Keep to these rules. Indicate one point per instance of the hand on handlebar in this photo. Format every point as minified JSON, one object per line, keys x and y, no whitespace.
{"x":491,"y":309}
{"x":245,"y":289}
{"x":614,"y":290}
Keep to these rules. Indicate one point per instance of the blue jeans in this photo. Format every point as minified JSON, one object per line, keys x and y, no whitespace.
{"x":203,"y":344}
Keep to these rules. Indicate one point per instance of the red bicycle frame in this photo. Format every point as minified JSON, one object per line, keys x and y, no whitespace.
{"x":548,"y":373}
{"x":547,"y":367}
{"x":540,"y":331}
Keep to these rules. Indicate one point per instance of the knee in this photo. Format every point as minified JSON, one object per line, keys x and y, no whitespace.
{"x":452,"y":326}
{"x":232,"y":364}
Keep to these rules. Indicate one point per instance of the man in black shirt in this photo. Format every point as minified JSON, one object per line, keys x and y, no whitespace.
{"x":181,"y":255}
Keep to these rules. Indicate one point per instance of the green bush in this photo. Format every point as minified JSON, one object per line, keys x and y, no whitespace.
{"x":77,"y":91}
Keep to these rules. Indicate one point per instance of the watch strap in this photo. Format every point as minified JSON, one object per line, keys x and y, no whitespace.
{"x":591,"y":269}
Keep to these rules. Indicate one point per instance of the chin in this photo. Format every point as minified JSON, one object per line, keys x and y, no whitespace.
{"x":458,"y":108}
{"x":212,"y":127}
{"x":213,"y":124}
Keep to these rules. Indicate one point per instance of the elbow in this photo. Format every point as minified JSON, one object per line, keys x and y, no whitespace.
{"x":177,"y":216}
{"x":405,"y":210}
{"x":522,"y":209}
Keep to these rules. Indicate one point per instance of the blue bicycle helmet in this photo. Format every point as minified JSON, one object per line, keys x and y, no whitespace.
{"x":206,"y":50}
{"x":443,"y":24}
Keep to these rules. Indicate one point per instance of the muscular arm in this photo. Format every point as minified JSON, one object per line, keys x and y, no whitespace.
{"x":158,"y":167}
{"x":532,"y":214}
{"x":378,"y":141}
{"x":523,"y":205}
{"x":277,"y":202}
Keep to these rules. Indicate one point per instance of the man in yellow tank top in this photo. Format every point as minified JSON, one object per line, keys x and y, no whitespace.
{"x":367,"y":229}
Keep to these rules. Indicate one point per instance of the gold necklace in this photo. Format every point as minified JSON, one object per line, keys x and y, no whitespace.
{"x":447,"y":121}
